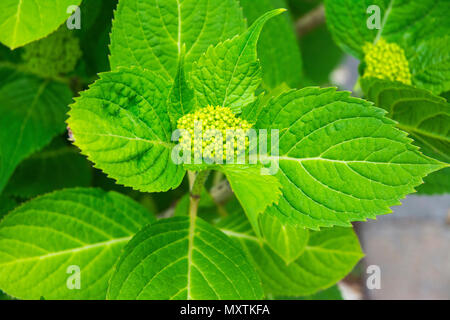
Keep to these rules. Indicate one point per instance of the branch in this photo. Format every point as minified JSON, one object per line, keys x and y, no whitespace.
{"x":310,"y":21}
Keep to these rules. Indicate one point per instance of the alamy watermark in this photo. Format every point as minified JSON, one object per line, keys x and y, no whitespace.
{"x":373,"y":281}
{"x":374,"y":20}
{"x":74,"y":21}
{"x":73,"y":282}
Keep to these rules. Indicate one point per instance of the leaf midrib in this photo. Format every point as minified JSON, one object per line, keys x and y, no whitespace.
{"x":16,"y":25}
{"x":70,"y":251}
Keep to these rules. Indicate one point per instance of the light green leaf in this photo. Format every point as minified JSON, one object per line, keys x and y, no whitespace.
{"x":150,"y":34}
{"x":283,"y":64}
{"x":430,"y":65}
{"x":56,"y":167}
{"x":340,"y":159}
{"x":24,"y":21}
{"x":32,"y":112}
{"x":328,"y":257}
{"x":227,"y":75}
{"x":179,"y":258}
{"x":286,"y":240}
{"x":406,"y":21}
{"x":75,"y":227}
{"x":181,"y":98}
{"x":254,"y":191}
{"x":121,"y":123}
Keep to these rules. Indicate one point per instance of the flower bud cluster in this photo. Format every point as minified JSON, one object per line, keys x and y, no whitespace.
{"x":213,"y":131}
{"x":54,"y":55}
{"x":386,"y":61}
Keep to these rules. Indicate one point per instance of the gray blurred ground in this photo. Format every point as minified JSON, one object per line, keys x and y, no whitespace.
{"x":412,"y":249}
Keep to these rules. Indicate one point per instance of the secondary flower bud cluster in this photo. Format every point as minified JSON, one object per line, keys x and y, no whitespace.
{"x":213,"y":131}
{"x":386,"y":61}
{"x":54,"y":55}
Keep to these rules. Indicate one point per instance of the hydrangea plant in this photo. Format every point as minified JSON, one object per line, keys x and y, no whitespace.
{"x":184,"y":74}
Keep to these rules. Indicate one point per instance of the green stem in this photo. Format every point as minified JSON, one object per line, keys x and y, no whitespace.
{"x":196,"y":182}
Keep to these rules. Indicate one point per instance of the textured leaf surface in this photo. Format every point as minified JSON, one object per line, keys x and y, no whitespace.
{"x":424,"y":116}
{"x":150,"y":34}
{"x":436,"y":183}
{"x":227,"y":75}
{"x":286,"y":240}
{"x":84,"y":227}
{"x":283,"y":64}
{"x":430,"y":65}
{"x":254,"y":191}
{"x":24,"y":21}
{"x":56,"y":167}
{"x":32,"y":112}
{"x":181,"y":98}
{"x":406,"y":21}
{"x":7,"y":203}
{"x":341,"y":159}
{"x":347,"y":22}
{"x":121,"y":123}
{"x":328,"y":257}
{"x":177,"y":259}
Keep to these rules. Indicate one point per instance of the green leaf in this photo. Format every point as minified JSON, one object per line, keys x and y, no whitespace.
{"x":7,"y":203}
{"x":347,"y":22}
{"x":332,"y":293}
{"x":178,"y":258}
{"x":75,"y":227}
{"x":328,"y":257}
{"x":424,"y":116}
{"x":340,"y":159}
{"x":56,"y":167}
{"x":24,"y":21}
{"x":121,"y":123}
{"x":254,"y":190}
{"x":436,"y":183}
{"x":32,"y":112}
{"x":406,"y":21}
{"x":150,"y":34}
{"x":283,"y":65}
{"x":430,"y":65}
{"x":415,"y":21}
{"x":181,"y":98}
{"x":228,"y":74}
{"x":286,"y":240}
{"x":94,"y":35}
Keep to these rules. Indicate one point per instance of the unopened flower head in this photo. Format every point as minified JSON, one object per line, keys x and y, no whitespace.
{"x":210,"y":129}
{"x":386,"y":61}
{"x":54,"y":55}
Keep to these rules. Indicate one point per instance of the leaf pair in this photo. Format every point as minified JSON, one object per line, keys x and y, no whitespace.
{"x":45,"y":239}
